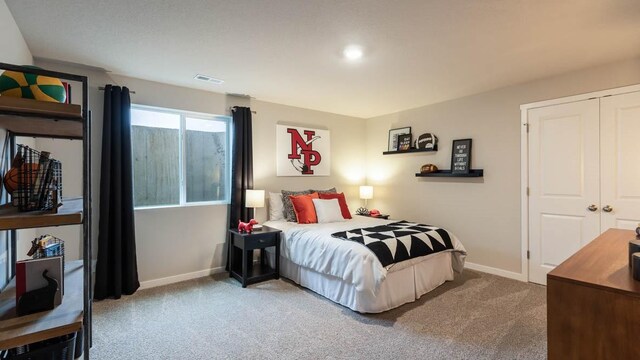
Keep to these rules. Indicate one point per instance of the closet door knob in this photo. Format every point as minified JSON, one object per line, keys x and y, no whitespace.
{"x":592,"y":208}
{"x":607,"y":209}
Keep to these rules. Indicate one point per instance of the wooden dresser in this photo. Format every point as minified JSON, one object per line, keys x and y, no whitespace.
{"x":593,"y":302}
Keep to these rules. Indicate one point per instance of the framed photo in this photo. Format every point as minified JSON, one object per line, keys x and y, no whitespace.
{"x":461,"y":156}
{"x":404,"y":142}
{"x":393,"y":137}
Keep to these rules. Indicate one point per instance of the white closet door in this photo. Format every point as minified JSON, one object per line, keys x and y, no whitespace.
{"x":564,"y":181}
{"x":620,"y":161}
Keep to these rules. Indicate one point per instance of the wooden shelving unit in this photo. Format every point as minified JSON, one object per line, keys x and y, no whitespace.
{"x":63,"y":319}
{"x":410,"y":151}
{"x":70,"y":213}
{"x":25,"y":117}
{"x":447,"y":173}
{"x":50,"y":110}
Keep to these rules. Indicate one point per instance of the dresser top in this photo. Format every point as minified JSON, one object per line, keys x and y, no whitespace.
{"x":603,"y":263}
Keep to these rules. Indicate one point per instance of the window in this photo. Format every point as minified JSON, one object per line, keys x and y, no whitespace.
{"x":179,"y":157}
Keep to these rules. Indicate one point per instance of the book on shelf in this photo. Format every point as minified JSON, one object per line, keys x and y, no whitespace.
{"x":29,"y":275}
{"x":67,"y":89}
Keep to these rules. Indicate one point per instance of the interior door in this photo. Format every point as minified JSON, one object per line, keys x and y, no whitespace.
{"x":620,"y":161}
{"x":563,"y":183}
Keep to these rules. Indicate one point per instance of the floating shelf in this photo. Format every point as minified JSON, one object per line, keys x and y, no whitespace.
{"x":65,"y":318}
{"x":412,"y":150}
{"x":70,"y":213}
{"x":40,"y":118}
{"x":447,"y":173}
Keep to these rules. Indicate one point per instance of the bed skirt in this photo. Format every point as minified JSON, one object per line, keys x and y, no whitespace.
{"x":399,"y":287}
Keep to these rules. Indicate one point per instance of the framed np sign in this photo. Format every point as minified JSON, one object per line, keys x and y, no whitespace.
{"x":302,"y":151}
{"x":461,"y":156}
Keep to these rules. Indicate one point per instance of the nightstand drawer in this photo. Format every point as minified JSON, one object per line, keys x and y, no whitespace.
{"x":260,"y":242}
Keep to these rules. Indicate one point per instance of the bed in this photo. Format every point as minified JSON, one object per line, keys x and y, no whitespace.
{"x":350,"y":274}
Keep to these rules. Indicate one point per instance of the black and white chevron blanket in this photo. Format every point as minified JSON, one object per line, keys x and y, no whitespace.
{"x":399,"y":241}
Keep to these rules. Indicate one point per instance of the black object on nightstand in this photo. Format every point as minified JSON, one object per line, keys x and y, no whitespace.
{"x":246,"y":272}
{"x":381,"y":216}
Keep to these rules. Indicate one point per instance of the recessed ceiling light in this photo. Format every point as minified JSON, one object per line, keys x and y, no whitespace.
{"x":208,"y":78}
{"x":352,"y":52}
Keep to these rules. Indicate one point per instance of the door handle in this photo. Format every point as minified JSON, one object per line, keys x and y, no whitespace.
{"x":607,"y":208}
{"x":592,"y":208}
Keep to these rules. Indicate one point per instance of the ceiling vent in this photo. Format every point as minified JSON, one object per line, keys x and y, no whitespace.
{"x":209,"y":79}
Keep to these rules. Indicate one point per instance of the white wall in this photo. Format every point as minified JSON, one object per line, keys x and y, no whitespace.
{"x":14,"y":51}
{"x":14,"y":48}
{"x":483,"y":212}
{"x":178,"y":243}
{"x":347,"y":151}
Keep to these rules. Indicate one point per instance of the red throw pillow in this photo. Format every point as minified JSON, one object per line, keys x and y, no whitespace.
{"x":341,"y":200}
{"x":304,"y":209}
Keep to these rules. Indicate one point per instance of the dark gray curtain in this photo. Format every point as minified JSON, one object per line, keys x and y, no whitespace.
{"x":241,"y":167}
{"x":116,"y":269}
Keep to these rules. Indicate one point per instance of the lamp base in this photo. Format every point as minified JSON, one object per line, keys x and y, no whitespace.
{"x":362,"y":211}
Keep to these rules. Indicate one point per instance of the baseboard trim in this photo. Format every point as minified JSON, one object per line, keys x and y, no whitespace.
{"x":496,"y":271}
{"x":182,"y":277}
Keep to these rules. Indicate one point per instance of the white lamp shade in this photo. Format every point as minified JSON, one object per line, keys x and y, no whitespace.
{"x":254,"y":198}
{"x":366,"y":192}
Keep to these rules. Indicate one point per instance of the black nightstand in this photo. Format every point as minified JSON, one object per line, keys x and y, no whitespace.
{"x":241,"y":265}
{"x":381,"y":216}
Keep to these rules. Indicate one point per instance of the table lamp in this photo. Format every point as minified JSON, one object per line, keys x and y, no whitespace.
{"x":366,"y":193}
{"x":254,"y":199}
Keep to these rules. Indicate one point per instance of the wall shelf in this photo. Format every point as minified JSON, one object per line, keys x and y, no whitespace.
{"x":412,"y":150}
{"x":447,"y":173}
{"x":65,"y":318}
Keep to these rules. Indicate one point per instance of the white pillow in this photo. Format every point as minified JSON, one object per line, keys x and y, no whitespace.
{"x":327,"y":210}
{"x":276,"y":207}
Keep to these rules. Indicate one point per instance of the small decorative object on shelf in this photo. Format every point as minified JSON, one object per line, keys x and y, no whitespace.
{"x":634,"y":247}
{"x":426,"y":141}
{"x":246,"y":227}
{"x":393,"y":137}
{"x":37,"y":300}
{"x":404,"y":142}
{"x":46,"y":246}
{"x":428,"y":168}
{"x":34,"y":180}
{"x":635,"y":268}
{"x":362,"y":211}
{"x":638,"y":231}
{"x":461,"y":156}
{"x":31,"y":86}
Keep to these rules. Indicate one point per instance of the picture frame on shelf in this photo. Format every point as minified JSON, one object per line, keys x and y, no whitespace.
{"x":404,"y":142}
{"x":393,"y":137}
{"x":461,"y":156}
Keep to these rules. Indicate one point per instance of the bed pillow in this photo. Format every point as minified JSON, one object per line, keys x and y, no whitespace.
{"x":288,"y":212}
{"x":328,"y":191}
{"x":276,"y":207}
{"x":328,"y":211}
{"x":341,"y":200}
{"x":304,"y":209}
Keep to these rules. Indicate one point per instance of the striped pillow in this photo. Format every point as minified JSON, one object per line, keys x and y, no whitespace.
{"x":289,"y":213}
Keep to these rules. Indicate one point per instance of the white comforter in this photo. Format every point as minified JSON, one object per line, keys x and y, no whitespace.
{"x":311,"y":246}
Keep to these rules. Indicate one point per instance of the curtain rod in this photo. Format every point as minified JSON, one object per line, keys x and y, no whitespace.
{"x":234,"y":107}
{"x":101,"y":88}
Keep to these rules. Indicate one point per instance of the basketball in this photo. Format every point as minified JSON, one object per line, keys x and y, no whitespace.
{"x":12,"y":177}
{"x":30,"y":86}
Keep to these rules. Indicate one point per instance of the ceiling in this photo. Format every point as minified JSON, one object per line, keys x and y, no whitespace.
{"x":417,"y":52}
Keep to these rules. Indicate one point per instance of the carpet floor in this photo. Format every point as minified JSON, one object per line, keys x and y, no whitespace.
{"x":477,"y":316}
